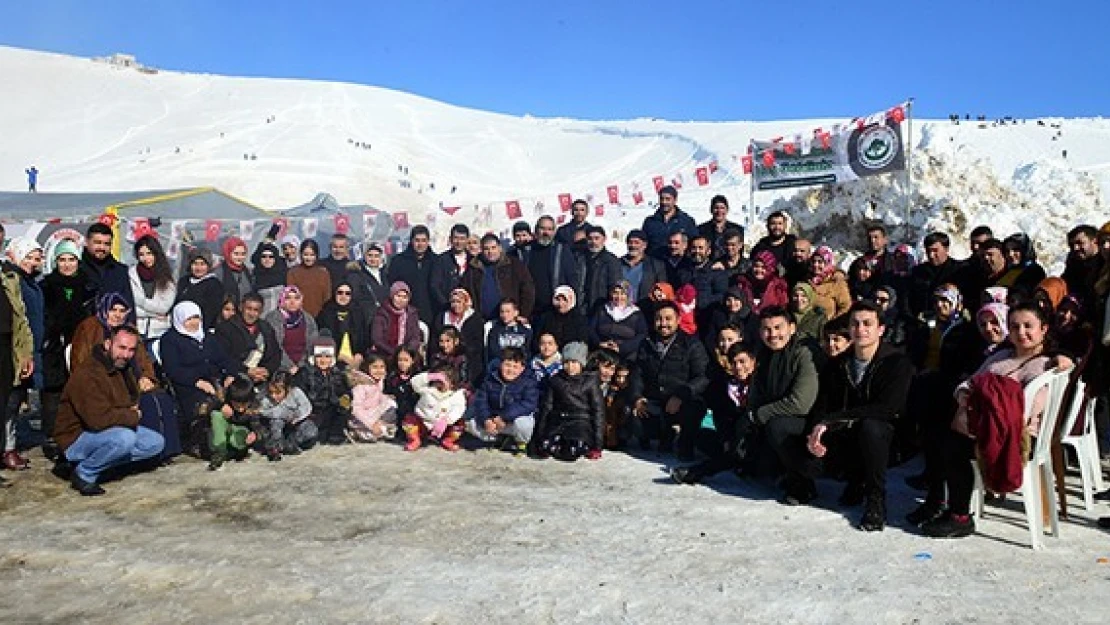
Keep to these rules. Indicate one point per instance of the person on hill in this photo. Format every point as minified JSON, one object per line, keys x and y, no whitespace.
{"x":777,"y":241}
{"x":830,"y":285}
{"x":153,"y":288}
{"x":367,"y":278}
{"x":269,"y":275}
{"x":449,"y":268}
{"x":494,"y":276}
{"x":336,"y":263}
{"x":618,"y":326}
{"x":105,"y":273}
{"x":343,"y":319}
{"x":233,"y":272}
{"x":602,"y":271}
{"x":551,"y":263}
{"x":32,"y":179}
{"x":504,"y":406}
{"x":63,"y":290}
{"x":579,"y":211}
{"x":718,"y":226}
{"x":643,"y":272}
{"x":201,"y":286}
{"x":762,"y":284}
{"x":249,"y":340}
{"x":311,"y":278}
{"x":24,"y":263}
{"x":667,"y":220}
{"x":294,"y":329}
{"x":570,"y":423}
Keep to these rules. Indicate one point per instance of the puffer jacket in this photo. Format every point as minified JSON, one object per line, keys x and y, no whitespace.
{"x":784,"y":383}
{"x":326,"y":390}
{"x":574,"y":408}
{"x":434,"y":405}
{"x":508,"y":400}
{"x":680,"y":371}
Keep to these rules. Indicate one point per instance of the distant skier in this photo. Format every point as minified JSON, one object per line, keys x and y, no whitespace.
{"x":32,"y":179}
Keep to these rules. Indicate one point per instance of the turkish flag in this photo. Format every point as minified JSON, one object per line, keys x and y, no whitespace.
{"x":788,"y":148}
{"x":768,"y":158}
{"x":141,"y":228}
{"x":702,"y":174}
{"x":897,"y":114}
{"x":283,"y":227}
{"x":614,"y":194}
{"x":561,"y":219}
{"x":638,"y":197}
{"x":746,"y":163}
{"x":599,"y":210}
{"x":677,"y":181}
{"x":400,"y":220}
{"x":512,"y":209}
{"x":826,"y":139}
{"x":565,"y":202}
{"x":211,"y":230}
{"x":108,"y":219}
{"x":658,"y":182}
{"x":713,"y":167}
{"x":451,"y":210}
{"x":342,"y":223}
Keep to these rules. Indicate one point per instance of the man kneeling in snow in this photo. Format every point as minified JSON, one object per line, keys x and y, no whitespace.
{"x":861,"y":393}
{"x":98,"y":420}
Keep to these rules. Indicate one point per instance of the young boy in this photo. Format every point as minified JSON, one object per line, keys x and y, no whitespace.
{"x":506,"y":331}
{"x":505,"y":405}
{"x":326,"y":387}
{"x":234,"y":425}
{"x":548,"y":361}
{"x":285,"y":410}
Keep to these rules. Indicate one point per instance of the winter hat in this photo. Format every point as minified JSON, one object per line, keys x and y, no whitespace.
{"x":324,"y":345}
{"x":576,"y":351}
{"x":399,"y":286}
{"x":567,"y":292}
{"x":669,"y":190}
{"x":639,"y":234}
{"x":22,"y":247}
{"x":65,"y":246}
{"x":996,"y":294}
{"x":951,"y":294}
{"x":1055,"y":288}
{"x":999,"y":311}
{"x":686,"y":294}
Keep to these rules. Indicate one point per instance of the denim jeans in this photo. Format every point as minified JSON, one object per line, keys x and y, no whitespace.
{"x":95,"y":452}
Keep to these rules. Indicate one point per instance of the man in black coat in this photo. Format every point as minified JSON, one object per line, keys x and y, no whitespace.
{"x":603,"y":270}
{"x":711,"y":284}
{"x":336,"y":264}
{"x":862,"y":393}
{"x":550,"y":263}
{"x":449,"y":268}
{"x":716,"y":228}
{"x":939,"y":268}
{"x":641,"y":271}
{"x":105,"y":273}
{"x":414,"y":267}
{"x":1083,"y":267}
{"x":578,"y":213}
{"x":250,"y":341}
{"x":677,"y":262}
{"x":672,"y":368}
{"x":777,"y":241}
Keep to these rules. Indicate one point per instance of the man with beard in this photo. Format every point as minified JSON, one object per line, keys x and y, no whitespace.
{"x":414,"y":267}
{"x":719,"y":226}
{"x":449,"y":268}
{"x":495,"y":276}
{"x":710,"y":283}
{"x":777,"y":241}
{"x":676,"y":262}
{"x":797,"y":270}
{"x":550,"y":263}
{"x":641,"y":271}
{"x":336,"y":264}
{"x":522,"y":241}
{"x":1083,"y":266}
{"x":105,"y":273}
{"x":603,"y":270}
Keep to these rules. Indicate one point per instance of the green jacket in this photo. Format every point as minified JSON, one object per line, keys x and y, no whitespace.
{"x":22,"y":343}
{"x":784,"y":383}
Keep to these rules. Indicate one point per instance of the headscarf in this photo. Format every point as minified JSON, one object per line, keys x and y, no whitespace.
{"x":292,"y":319}
{"x":770,"y":263}
{"x":22,"y":247}
{"x":567,"y":292}
{"x":229,"y":246}
{"x":624,"y":312}
{"x":996,"y":294}
{"x":291,"y":239}
{"x":951,"y":294}
{"x":457,"y":321}
{"x":999,"y":311}
{"x":105,"y":304}
{"x":184,"y":311}
{"x":206,"y":256}
{"x":810,"y":294}
{"x":396,"y":332}
{"x":1056,"y":290}
{"x":274,"y":276}
{"x":825,"y":254}
{"x":668,"y":291}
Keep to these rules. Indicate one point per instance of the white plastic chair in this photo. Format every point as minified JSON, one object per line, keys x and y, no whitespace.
{"x":1038,"y":470}
{"x":1085,"y":444}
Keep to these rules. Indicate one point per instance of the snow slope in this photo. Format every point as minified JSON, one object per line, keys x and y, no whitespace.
{"x":91,"y":126}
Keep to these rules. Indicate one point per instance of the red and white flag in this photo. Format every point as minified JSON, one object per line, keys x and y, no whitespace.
{"x":561,"y":219}
{"x":211,"y":230}
{"x":400,"y":220}
{"x":512,"y":209}
{"x":702,"y":174}
{"x":599,"y":210}
{"x":451,"y":210}
{"x":564,"y":202}
{"x":246,"y":229}
{"x":309,"y":227}
{"x":283,"y":227}
{"x":746,"y":163}
{"x":677,"y":181}
{"x":614,"y":194}
{"x":897,"y":114}
{"x":768,"y":158}
{"x":713,"y":167}
{"x":369,"y":221}
{"x":658,"y":182}
{"x":139,"y":228}
{"x":342,"y":223}
{"x":638,"y":197}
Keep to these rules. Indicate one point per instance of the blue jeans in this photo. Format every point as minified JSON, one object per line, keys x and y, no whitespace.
{"x":96,"y":452}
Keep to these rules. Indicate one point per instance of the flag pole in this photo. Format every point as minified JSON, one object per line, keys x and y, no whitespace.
{"x":909,"y":162}
{"x":751,"y":191}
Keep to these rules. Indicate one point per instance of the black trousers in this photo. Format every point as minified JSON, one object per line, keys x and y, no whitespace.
{"x":861,"y":450}
{"x":932,"y":406}
{"x":7,"y":376}
{"x":958,"y":451}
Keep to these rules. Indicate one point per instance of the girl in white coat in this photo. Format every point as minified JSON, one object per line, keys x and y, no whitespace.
{"x":439,"y":411}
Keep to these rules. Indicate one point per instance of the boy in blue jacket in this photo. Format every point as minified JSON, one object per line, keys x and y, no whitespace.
{"x":505,"y":405}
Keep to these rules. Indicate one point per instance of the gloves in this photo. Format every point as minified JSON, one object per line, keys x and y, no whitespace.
{"x":593,"y":454}
{"x":439,"y":427}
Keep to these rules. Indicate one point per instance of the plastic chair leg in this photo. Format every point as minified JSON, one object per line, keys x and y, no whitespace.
{"x":1048,"y":478}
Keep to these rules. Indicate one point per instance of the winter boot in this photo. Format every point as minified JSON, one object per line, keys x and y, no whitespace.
{"x":874,"y":512}
{"x":412,"y":433}
{"x":451,"y":439}
{"x":950,"y":526}
{"x":799,"y":491}
{"x":927,"y":512}
{"x":853,"y":495}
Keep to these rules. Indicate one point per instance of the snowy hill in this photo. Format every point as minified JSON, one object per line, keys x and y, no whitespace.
{"x":90,"y":125}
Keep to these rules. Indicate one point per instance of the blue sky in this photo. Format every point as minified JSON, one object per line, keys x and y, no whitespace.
{"x":706,"y":60}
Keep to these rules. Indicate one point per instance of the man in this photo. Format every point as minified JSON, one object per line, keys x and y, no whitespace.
{"x":368,"y":280}
{"x":494,"y":276}
{"x":718,"y":226}
{"x":862,"y":393}
{"x":32,"y":179}
{"x":732,"y":262}
{"x":336,"y":264}
{"x":1083,"y":266}
{"x":939,"y":268}
{"x":979,"y":235}
{"x":996,"y":269}
{"x":579,"y":210}
{"x":449,"y":268}
{"x":877,"y":243}
{"x":798,"y":268}
{"x":550,"y":263}
{"x":98,"y":420}
{"x":522,"y":241}
{"x":603,"y":270}
{"x":414,"y":267}
{"x":641,"y":271}
{"x":673,"y":374}
{"x":250,"y":341}
{"x":667,"y":220}
{"x":676,"y":262}
{"x":777,"y":241}
{"x":105,"y":273}
{"x":710,"y":283}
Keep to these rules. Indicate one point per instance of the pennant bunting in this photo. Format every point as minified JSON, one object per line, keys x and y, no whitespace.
{"x":342,"y":223}
{"x":246,"y":229}
{"x":746,"y":163}
{"x":451,"y":210}
{"x":512,"y":209}
{"x":614,"y":194}
{"x":211,"y":230}
{"x":400,"y":220}
{"x":638,"y":197}
{"x":658,"y":182}
{"x":309,"y":226}
{"x":702,"y":174}
{"x":564,"y":202}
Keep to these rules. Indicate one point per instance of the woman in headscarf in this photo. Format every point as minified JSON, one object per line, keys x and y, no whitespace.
{"x":862,"y":278}
{"x":397,"y":323}
{"x":809,"y":317}
{"x":311,"y":278}
{"x":25,"y":261}
{"x":111,"y":312}
{"x":17,"y":351}
{"x":269,"y":275}
{"x":198,"y":368}
{"x":903,"y":260}
{"x":830,"y":285}
{"x":202,"y":287}
{"x":294,"y":329}
{"x":63,"y":290}
{"x":564,"y":321}
{"x":152,"y":287}
{"x":1049,"y":293}
{"x":344,"y":320}
{"x":368,"y":280}
{"x":1022,"y":256}
{"x":619,"y":325}
{"x":762,"y":283}
{"x":993,"y":328}
{"x":461,"y":315}
{"x":233,"y":272}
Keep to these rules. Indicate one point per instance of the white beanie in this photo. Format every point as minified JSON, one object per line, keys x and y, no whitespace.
{"x":21,"y":247}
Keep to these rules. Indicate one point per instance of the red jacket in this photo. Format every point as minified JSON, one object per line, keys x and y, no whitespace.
{"x":996,"y":418}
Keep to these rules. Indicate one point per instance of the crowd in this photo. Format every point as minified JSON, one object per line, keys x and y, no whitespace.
{"x":771,"y":362}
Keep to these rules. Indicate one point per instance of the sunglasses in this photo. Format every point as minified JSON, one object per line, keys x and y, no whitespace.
{"x":882,"y":300}
{"x":268,"y":256}
{"x":343,"y":292}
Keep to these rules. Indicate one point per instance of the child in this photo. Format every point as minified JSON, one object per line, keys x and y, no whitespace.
{"x":452,"y":354}
{"x":373,"y":413}
{"x":505,"y":404}
{"x":687,"y":300}
{"x":607,"y":364}
{"x":439,"y":411}
{"x":398,"y":385}
{"x":232,"y":431}
{"x":506,"y":331}
{"x":326,"y":387}
{"x":285,"y":411}
{"x":548,"y":361}
{"x":571,"y":421}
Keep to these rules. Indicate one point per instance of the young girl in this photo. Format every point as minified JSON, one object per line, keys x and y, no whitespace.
{"x":571,"y":421}
{"x":451,"y":353}
{"x":373,"y":413}
{"x":285,"y":410}
{"x":398,"y":384}
{"x":548,"y":361}
{"x":439,"y":411}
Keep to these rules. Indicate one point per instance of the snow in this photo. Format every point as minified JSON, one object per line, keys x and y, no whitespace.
{"x":93,"y":126}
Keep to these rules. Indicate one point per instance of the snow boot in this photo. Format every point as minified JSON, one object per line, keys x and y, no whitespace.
{"x":412,"y":433}
{"x":874,"y":512}
{"x":927,"y":513}
{"x":950,"y":526}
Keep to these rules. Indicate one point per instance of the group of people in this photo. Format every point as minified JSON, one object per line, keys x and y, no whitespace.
{"x":770,"y":362}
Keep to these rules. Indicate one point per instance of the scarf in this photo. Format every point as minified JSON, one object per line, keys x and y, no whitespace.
{"x":451,"y":319}
{"x":105,"y":304}
{"x":826,"y":254}
{"x":398,"y":320}
{"x":229,"y":246}
{"x":274,"y":276}
{"x":292,"y":318}
{"x":184,"y":311}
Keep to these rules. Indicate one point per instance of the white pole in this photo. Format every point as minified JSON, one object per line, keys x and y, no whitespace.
{"x":909,"y":162}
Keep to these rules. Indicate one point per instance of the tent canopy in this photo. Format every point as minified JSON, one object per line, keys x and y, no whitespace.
{"x":199,"y":203}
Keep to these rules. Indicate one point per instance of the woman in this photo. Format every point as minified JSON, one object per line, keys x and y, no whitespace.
{"x":294,"y":329}
{"x":152,"y":288}
{"x":762,"y":283}
{"x":269,"y":275}
{"x":311,"y":278}
{"x":862,"y":279}
{"x":462,"y":316}
{"x":368,"y":280}
{"x":233,"y":272}
{"x":993,"y":329}
{"x":202,"y":287}
{"x":25,"y":256}
{"x":1022,"y":256}
{"x":809,"y":317}
{"x":1023,"y":362}
{"x":348,"y":327}
{"x":63,"y":290}
{"x":397,"y":323}
{"x":16,"y":347}
{"x":830,"y":286}
{"x":564,"y":321}
{"x":619,"y":326}
{"x":734,"y":311}
{"x":197,"y":367}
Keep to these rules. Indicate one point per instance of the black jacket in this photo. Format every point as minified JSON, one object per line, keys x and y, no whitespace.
{"x":473,"y":339}
{"x":368,"y":292}
{"x":445,"y":278}
{"x":357,"y":326}
{"x":654,"y":272}
{"x":572,"y":407}
{"x":880,"y":394}
{"x":717,"y":239}
{"x":629,"y":332}
{"x":63,"y":298}
{"x":109,"y":276}
{"x":568,"y":328}
{"x":927,"y":277}
{"x":602,"y":271}
{"x":326,"y":391}
{"x":208,"y":294}
{"x":680,"y":371}
{"x":238,"y":342}
{"x":417,"y":273}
